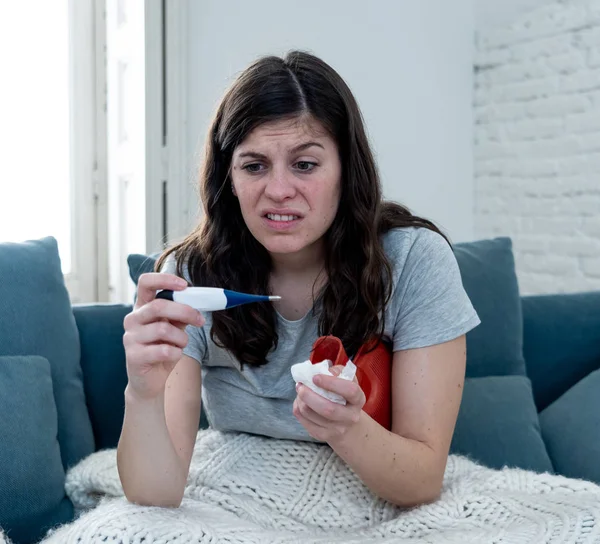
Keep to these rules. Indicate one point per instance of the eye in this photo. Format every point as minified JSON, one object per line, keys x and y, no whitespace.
{"x":253,"y":168}
{"x":305,"y":166}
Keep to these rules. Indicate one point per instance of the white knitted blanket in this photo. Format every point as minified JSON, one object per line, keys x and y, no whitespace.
{"x":249,"y":489}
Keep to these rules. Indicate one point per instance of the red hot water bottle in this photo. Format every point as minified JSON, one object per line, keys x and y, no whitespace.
{"x":373,"y":372}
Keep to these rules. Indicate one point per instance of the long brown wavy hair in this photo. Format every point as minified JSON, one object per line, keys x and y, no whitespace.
{"x":221,"y":251}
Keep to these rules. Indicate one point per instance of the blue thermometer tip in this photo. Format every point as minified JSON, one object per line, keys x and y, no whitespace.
{"x":236,"y":299}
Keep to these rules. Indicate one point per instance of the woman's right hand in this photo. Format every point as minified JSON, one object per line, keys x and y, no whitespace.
{"x":155,"y":334}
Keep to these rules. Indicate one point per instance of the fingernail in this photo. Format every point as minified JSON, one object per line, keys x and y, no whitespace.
{"x":181,"y":282}
{"x":200,"y":319}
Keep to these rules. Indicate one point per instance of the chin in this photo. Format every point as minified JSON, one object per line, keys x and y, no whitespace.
{"x":283,"y":247}
{"x":282,"y":244}
{"x":285,"y":243}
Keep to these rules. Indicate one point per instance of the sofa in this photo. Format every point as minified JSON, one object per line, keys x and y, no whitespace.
{"x":531,"y":397}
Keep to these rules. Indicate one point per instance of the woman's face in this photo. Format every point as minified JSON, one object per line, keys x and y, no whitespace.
{"x":287,"y":177}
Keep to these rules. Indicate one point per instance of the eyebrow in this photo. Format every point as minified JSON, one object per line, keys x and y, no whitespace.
{"x":252,"y":154}
{"x":301,"y":147}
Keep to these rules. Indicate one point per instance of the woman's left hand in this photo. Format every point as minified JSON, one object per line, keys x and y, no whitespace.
{"x":325,"y":420}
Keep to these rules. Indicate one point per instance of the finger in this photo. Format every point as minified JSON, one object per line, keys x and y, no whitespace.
{"x":151,"y":282}
{"x":180,"y":325}
{"x":160,"y":332}
{"x":155,"y":354}
{"x":328,"y":410}
{"x":173,"y":311}
{"x":336,"y":370}
{"x":350,"y":390}
{"x":184,"y":326}
{"x":316,"y":431}
{"x":309,"y":414}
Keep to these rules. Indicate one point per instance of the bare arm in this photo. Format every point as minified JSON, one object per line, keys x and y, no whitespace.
{"x":405,"y":465}
{"x":157,"y":441}
{"x":162,"y":398}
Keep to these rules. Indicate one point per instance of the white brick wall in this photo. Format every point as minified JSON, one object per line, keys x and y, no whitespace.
{"x":537,"y":144}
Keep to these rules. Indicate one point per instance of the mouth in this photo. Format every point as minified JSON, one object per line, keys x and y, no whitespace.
{"x":279,"y":221}
{"x":281,"y":218}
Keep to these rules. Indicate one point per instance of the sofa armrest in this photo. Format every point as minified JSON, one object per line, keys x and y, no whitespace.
{"x":103,"y":365}
{"x":561,"y":341}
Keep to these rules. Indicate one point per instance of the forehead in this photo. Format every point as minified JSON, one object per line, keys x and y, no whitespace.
{"x":284,"y":134}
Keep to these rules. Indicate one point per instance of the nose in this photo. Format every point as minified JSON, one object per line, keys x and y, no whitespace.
{"x":279,"y":185}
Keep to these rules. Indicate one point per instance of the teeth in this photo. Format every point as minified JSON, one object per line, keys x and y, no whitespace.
{"x":277,"y":217}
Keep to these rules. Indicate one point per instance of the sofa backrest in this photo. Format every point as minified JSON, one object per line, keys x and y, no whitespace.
{"x":103,"y":365}
{"x":561,"y":341}
{"x":494,"y":348}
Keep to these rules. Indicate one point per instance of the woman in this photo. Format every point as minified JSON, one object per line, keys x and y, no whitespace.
{"x":292,"y":206}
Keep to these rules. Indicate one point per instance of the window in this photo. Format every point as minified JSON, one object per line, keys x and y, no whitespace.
{"x":50,"y":167}
{"x":92,"y":127}
{"x":35,"y":125}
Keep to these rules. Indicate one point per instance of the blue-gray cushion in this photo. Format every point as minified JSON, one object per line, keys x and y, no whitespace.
{"x":495,"y":347}
{"x":498,"y":424}
{"x":561,"y":342}
{"x":571,"y":429}
{"x":32,"y":494}
{"x":36,"y":319}
{"x":103,"y":363}
{"x":140,"y":264}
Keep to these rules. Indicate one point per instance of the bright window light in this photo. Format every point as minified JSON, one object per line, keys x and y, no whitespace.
{"x":35,"y":195}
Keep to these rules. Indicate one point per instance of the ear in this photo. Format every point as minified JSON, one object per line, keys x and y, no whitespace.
{"x":233,"y":189}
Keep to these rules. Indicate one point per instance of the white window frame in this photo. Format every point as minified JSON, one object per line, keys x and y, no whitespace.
{"x":88,"y":280}
{"x":181,"y":204}
{"x":170,"y":206}
{"x":156,"y":164}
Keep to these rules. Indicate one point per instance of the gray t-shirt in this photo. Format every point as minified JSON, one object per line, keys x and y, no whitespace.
{"x":428,"y":306}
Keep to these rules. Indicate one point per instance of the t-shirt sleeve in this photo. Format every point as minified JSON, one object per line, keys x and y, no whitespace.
{"x":430,"y":303}
{"x":196,"y":347}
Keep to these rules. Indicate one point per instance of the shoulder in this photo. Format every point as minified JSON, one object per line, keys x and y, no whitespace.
{"x":414,"y":245}
{"x":429,"y":304}
{"x":170,"y":267}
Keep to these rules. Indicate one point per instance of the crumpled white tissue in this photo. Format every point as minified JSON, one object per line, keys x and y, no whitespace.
{"x":304,"y":372}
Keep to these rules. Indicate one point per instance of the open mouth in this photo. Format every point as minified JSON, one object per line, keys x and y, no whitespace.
{"x":282,"y":221}
{"x":281,"y":218}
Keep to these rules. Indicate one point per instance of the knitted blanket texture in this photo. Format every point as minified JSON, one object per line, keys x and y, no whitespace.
{"x":250,"y":489}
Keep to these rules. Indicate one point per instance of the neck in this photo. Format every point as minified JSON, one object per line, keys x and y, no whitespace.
{"x":308,"y":261}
